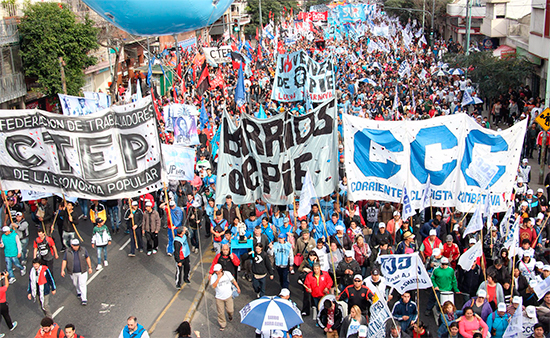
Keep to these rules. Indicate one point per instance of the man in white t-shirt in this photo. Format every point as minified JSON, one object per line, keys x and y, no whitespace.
{"x":221,"y":281}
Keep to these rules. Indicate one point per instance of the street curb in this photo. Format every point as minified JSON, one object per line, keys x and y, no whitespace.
{"x":197,"y":300}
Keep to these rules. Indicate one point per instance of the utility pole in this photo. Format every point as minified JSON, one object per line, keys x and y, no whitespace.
{"x":468,"y":25}
{"x":63,"y":82}
{"x":544,"y":136}
{"x":261,"y":21}
{"x":423,"y":15}
{"x":433,"y":28}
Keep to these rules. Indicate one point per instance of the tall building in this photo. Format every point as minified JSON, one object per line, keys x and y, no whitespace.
{"x":12,"y":79}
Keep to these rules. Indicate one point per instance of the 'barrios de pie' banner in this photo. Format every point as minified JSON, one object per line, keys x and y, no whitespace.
{"x":440,"y":158}
{"x":268,"y":158}
{"x":113,"y":153}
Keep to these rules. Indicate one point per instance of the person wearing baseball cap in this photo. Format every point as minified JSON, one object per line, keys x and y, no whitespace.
{"x":429,"y":244}
{"x":78,"y":264}
{"x":151,"y":228}
{"x":100,"y":239}
{"x":497,"y":322}
{"x":297,"y":333}
{"x":381,"y":235}
{"x":134,"y":223}
{"x":357,"y":294}
{"x":443,"y":279}
{"x":12,"y":251}
{"x":347,"y":268}
{"x":21,"y":228}
{"x":283,"y":258}
{"x":407,"y":245}
{"x":524,"y":171}
{"x":222,"y":282}
{"x":341,"y":239}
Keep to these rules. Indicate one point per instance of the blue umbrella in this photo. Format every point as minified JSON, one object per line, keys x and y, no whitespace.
{"x":369,"y":81}
{"x":283,"y":314}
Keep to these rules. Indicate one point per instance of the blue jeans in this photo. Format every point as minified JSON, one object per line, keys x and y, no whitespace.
{"x":259,"y":285}
{"x":170,"y":247}
{"x":84,"y":206}
{"x":10,"y":262}
{"x":194,"y":237}
{"x":24,"y":245}
{"x":283,"y":276}
{"x":113,"y":215}
{"x":100,"y":250}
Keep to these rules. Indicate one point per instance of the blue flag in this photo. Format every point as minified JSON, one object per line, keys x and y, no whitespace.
{"x":216,"y":142}
{"x":203,"y":118}
{"x":261,"y":113}
{"x":150,"y":71}
{"x":239,"y":91}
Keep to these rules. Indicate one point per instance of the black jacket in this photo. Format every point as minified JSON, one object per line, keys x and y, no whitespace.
{"x":322,"y":318}
{"x":261,"y":264}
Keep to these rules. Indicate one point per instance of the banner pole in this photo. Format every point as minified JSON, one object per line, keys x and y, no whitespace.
{"x":53,"y":224}
{"x":6,"y":202}
{"x":71,"y":216}
{"x":168,"y":213}
{"x":441,"y":308}
{"x":133,"y":224}
{"x":329,"y":250}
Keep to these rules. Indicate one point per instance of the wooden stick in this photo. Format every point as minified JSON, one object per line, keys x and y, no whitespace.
{"x":53,"y":224}
{"x":133,"y":224}
{"x":441,"y":308}
{"x":6,"y":203}
{"x":74,"y":226}
{"x":513,"y":267}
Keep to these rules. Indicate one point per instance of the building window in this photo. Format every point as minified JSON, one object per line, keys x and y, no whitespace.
{"x":500,"y":11}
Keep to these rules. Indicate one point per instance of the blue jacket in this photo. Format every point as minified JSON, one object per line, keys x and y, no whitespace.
{"x":401,"y":309}
{"x":250,"y":225}
{"x":136,"y":334}
{"x":498,"y":323}
{"x":177,"y":216}
{"x":183,"y":248}
{"x":283,"y":254}
{"x":425,"y":230}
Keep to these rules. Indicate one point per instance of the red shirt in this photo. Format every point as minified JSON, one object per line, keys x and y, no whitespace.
{"x":51,"y":243}
{"x":3,"y":290}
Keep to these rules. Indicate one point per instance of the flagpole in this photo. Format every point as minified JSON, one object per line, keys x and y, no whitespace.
{"x":440,"y":308}
{"x":74,"y":226}
{"x":329,"y":250}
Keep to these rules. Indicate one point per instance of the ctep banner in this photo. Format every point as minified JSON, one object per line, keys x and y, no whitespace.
{"x":218,"y":55}
{"x":299,"y":75}
{"x":444,"y":153}
{"x":114,"y":153}
{"x":268,"y":158}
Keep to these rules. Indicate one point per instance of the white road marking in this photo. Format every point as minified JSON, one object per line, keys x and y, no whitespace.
{"x":124,"y":245}
{"x":57,"y":312}
{"x":93,"y":276}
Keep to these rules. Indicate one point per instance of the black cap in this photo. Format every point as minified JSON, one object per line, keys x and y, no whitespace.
{"x":98,"y":220}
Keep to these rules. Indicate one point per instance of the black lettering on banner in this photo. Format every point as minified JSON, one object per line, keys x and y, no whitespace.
{"x":252,"y":134}
{"x":287,"y":178}
{"x":299,"y":171}
{"x":60,"y":142}
{"x":273,"y":131}
{"x":236,"y":182}
{"x":275,"y":176}
{"x":13,"y":144}
{"x":297,"y":123}
{"x":328,"y":120}
{"x":90,"y":158}
{"x":231,"y":141}
{"x":289,"y":133}
{"x":282,"y":82}
{"x":250,"y":173}
{"x":133,"y":148}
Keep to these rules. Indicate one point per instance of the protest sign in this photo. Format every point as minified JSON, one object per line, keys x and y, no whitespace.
{"x":217,"y":55}
{"x":404,"y":272}
{"x":28,"y":195}
{"x":179,"y":162}
{"x":379,"y":315}
{"x":111,"y":154}
{"x":382,"y":155}
{"x":78,"y":106}
{"x":180,"y":119}
{"x":542,"y":288}
{"x":320,"y":80}
{"x":467,"y":259}
{"x":268,"y":158}
{"x":103,"y":99}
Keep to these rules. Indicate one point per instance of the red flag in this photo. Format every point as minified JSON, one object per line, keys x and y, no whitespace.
{"x":218,"y":80}
{"x":204,"y":79}
{"x":175,"y":92}
{"x":280,"y":47}
{"x":236,"y":64}
{"x":257,"y":39}
{"x":178,"y":70}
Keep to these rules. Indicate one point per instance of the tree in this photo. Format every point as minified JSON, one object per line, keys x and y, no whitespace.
{"x":276,"y":7}
{"x":404,"y":15}
{"x":49,"y":32}
{"x":493,"y":75}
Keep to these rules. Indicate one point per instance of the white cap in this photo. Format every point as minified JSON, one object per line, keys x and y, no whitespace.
{"x":396,"y":213}
{"x":134,"y":203}
{"x":382,"y":225}
{"x":539,"y":265}
{"x":436,"y":252}
{"x":444,"y":260}
{"x":349,"y":253}
{"x":19,"y":213}
{"x":148,"y":204}
{"x":516,"y":300}
{"x":433,"y":232}
{"x":481,"y":293}
{"x":340,"y":228}
{"x":456,"y":227}
{"x":296,"y":332}
{"x":546,"y":268}
{"x":217,"y":267}
{"x":438,"y":213}
{"x":540,"y":190}
{"x":172,"y":203}
{"x":75,"y":241}
{"x":520,"y":180}
{"x":531,"y":311}
{"x":540,"y":216}
{"x":501,"y":307}
{"x":530,"y":192}
{"x":284,"y":292}
{"x":524,"y":204}
{"x":472,"y":241}
{"x":6,"y":228}
{"x":525,"y":160}
{"x":358,"y":276}
{"x":277,"y":334}
{"x":362,"y":331}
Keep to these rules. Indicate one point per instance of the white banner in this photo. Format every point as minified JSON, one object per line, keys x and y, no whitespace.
{"x":78,"y":106}
{"x":381,"y":156}
{"x":181,"y":120}
{"x":379,"y":315}
{"x":179,"y":162}
{"x":542,"y":288}
{"x":467,"y":259}
{"x":111,"y":154}
{"x":28,"y":195}
{"x":404,"y":272}
{"x":298,"y":75}
{"x":103,"y":99}
{"x":217,"y":55}
{"x":268,"y":158}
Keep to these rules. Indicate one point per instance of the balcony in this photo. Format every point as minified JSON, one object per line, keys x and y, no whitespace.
{"x":496,"y":28}
{"x":12,"y":86}
{"x":8,"y":33}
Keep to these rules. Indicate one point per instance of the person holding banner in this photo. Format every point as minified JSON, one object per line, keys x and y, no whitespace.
{"x":134,"y":221}
{"x":443,"y":279}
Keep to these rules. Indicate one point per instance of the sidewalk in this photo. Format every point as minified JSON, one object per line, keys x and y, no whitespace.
{"x":185,"y":301}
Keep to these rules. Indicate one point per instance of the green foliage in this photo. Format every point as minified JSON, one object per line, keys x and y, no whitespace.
{"x":49,"y":32}
{"x":493,"y":75}
{"x":275,"y":6}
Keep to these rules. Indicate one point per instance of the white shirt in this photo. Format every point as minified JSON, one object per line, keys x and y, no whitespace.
{"x":223,"y":290}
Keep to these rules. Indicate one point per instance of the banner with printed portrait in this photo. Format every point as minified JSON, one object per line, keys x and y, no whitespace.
{"x":111,"y":154}
{"x":78,"y":106}
{"x":181,"y":120}
{"x":103,"y":99}
{"x":382,"y":157}
{"x":268,"y":158}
